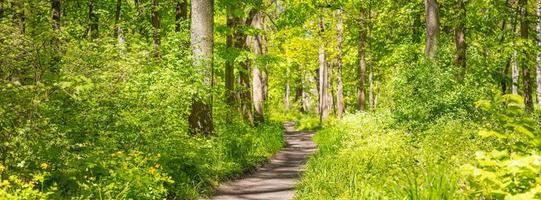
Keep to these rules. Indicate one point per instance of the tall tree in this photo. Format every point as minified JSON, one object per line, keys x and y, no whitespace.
{"x":202,"y":42}
{"x":526,"y":79}
{"x":339,"y":85}
{"x":324,"y":107}
{"x":361,"y":96}
{"x":232,"y":22}
{"x":514,"y":73}
{"x":55,"y":8}
{"x":93,"y":26}
{"x":55,"y":16}
{"x":538,"y":12}
{"x":433,"y":28}
{"x":257,"y":73}
{"x":139,"y":15}
{"x":156,"y":40}
{"x":460,"y":39}
{"x":118,"y":29}
{"x":181,"y":13}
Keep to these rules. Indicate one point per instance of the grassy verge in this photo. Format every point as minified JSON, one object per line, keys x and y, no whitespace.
{"x":364,"y":157}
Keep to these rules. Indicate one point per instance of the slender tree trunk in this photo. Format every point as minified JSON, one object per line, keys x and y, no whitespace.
{"x":55,"y":8}
{"x":257,"y":74}
{"x":287,"y":96}
{"x":323,"y":89}
{"x":156,"y":40}
{"x":417,"y":27}
{"x":55,"y":16}
{"x":118,"y":29}
{"x":514,"y":73}
{"x":139,"y":16}
{"x":460,"y":40}
{"x":202,"y":42}
{"x":538,"y":12}
{"x":371,"y":87}
{"x":181,"y":13}
{"x":93,"y":29}
{"x":339,"y":85}
{"x":526,"y":79}
{"x":361,"y":96}
{"x":229,"y":63}
{"x":245,"y":93}
{"x":299,"y":91}
{"x":433,"y":28}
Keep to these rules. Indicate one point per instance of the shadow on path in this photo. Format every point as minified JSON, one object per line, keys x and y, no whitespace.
{"x":277,"y":179}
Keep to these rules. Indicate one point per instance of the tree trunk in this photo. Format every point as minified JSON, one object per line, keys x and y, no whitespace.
{"x":538,"y":12}
{"x":156,"y":40}
{"x":118,"y":29}
{"x":514,"y":73}
{"x":460,"y":40}
{"x":257,"y":75}
{"x":433,"y":28}
{"x":181,"y":13}
{"x":230,"y":62}
{"x":339,"y":85}
{"x":287,"y":95}
{"x":139,"y":16}
{"x":202,"y":42}
{"x":361,"y":96}
{"x":55,"y":8}
{"x":526,"y":79}
{"x":245,"y":93}
{"x":323,"y":89}
{"x":371,"y":101}
{"x":93,"y":27}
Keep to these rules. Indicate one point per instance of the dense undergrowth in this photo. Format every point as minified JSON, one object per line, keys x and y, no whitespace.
{"x":370,"y":156}
{"x":113,"y":125}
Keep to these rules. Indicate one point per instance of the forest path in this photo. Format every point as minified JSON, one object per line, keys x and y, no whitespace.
{"x":277,"y":179}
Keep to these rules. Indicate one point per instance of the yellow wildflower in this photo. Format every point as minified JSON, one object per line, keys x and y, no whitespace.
{"x":44,"y":165}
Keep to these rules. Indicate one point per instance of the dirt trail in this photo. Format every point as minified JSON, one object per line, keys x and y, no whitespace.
{"x":277,"y":179}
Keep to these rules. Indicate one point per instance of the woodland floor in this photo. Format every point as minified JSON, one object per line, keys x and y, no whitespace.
{"x":277,"y":179}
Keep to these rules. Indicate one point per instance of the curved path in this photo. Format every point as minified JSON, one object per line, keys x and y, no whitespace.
{"x":277,"y":179}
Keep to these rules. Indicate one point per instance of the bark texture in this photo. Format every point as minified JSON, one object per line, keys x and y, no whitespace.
{"x":256,"y":45}
{"x":514,"y":73}
{"x":433,"y":28}
{"x":93,"y":27}
{"x":55,"y":8}
{"x":526,"y":79}
{"x":118,"y":29}
{"x":361,"y":94}
{"x":156,"y":40}
{"x":232,"y":22}
{"x":324,"y":107}
{"x":538,"y":12}
{"x":202,"y":42}
{"x":339,"y":83}
{"x":181,"y":13}
{"x":460,"y":40}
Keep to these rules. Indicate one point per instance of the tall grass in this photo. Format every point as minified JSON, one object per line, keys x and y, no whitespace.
{"x":364,"y":157}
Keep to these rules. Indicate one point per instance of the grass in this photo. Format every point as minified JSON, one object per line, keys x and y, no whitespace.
{"x":364,"y":157}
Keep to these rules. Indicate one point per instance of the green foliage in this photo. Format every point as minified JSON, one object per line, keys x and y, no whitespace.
{"x":363,"y":157}
{"x":511,"y":169}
